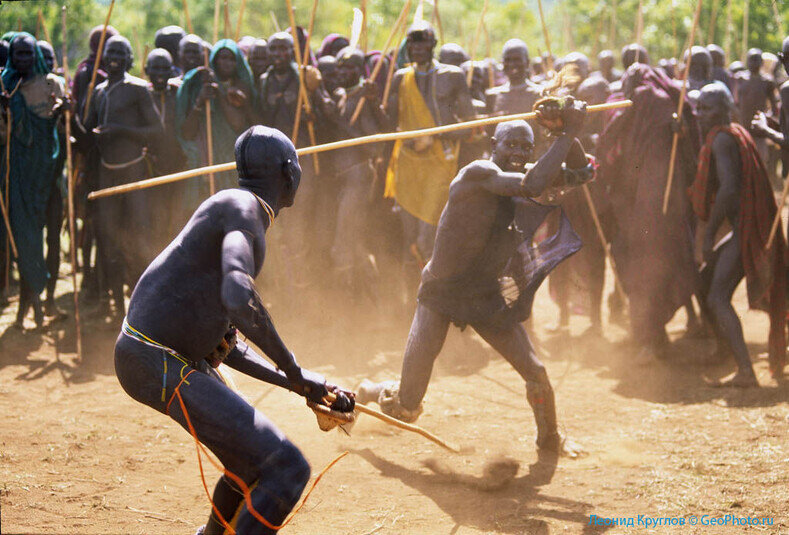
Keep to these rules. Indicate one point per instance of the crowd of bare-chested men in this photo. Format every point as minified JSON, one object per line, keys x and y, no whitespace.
{"x":363,"y":210}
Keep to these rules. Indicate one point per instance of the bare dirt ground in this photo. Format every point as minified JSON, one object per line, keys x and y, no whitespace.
{"x":79,"y":456}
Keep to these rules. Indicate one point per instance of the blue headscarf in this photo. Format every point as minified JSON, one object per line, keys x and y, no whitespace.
{"x":10,"y":75}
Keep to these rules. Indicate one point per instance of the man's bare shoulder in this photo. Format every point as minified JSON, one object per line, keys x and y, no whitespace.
{"x":475,"y":173}
{"x":724,"y":142}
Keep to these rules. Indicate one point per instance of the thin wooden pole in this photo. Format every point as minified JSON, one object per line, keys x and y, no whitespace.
{"x":778,"y":18}
{"x":378,"y":64}
{"x":713,"y":20}
{"x":604,"y":242}
{"x":473,"y":50}
{"x":549,"y":63}
{"x":187,"y":17}
{"x":215,"y":35}
{"x":489,"y":54}
{"x":46,"y":35}
{"x":727,"y":35}
{"x":437,"y":15}
{"x":303,"y":96}
{"x":640,"y":23}
{"x":240,"y":19}
{"x":363,"y":39}
{"x":390,"y":73}
{"x":209,"y":132}
{"x":227,"y":21}
{"x":777,"y":220}
{"x":72,"y":222}
{"x":365,"y":140}
{"x":745,"y":25}
{"x":96,"y":63}
{"x":680,"y":107}
{"x":275,"y":21}
{"x":612,"y":28}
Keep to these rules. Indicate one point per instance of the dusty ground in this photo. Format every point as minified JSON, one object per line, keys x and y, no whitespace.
{"x":79,"y":456}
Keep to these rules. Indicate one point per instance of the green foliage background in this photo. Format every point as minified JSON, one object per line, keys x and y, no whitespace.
{"x":585,"y":25}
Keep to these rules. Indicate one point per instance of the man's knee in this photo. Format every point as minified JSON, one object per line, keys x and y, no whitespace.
{"x":289,"y":467}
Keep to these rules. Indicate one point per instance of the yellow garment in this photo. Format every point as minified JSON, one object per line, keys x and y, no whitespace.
{"x":419,"y":181}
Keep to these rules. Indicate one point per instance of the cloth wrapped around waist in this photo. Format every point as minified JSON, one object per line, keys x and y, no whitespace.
{"x":500,"y":294}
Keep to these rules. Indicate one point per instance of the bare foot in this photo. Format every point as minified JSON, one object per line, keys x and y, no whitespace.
{"x":561,"y":445}
{"x":51,"y":310}
{"x":737,"y":379}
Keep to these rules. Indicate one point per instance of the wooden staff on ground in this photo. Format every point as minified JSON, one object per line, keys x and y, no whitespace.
{"x":303,"y":96}
{"x":72,"y":223}
{"x":96,"y":63}
{"x":345,"y":143}
{"x":680,"y":107}
{"x":378,"y":64}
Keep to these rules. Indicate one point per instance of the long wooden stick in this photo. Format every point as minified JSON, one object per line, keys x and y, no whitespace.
{"x":96,"y":63}
{"x":345,"y":143}
{"x":680,"y":107}
{"x":488,"y":53}
{"x":378,"y":64}
{"x":72,"y":223}
{"x":187,"y":17}
{"x":745,"y":26}
{"x":46,"y":35}
{"x":240,"y":18}
{"x":209,"y":132}
{"x":216,"y":22}
{"x":274,"y":21}
{"x":778,"y":19}
{"x":400,"y":424}
{"x":305,"y":58}
{"x":305,"y":99}
{"x":473,"y":50}
{"x":713,"y":20}
{"x":549,"y":63}
{"x":604,"y":242}
{"x":437,"y":15}
{"x":4,"y":203}
{"x":390,"y":72}
{"x":777,"y":220}
{"x":612,"y":27}
{"x":227,"y":21}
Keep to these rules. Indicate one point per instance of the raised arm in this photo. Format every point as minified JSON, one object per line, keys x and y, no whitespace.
{"x":246,"y":311}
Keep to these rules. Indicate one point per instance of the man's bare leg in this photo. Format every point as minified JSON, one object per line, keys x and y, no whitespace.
{"x":727,"y":274}
{"x":425,"y":340}
{"x":514,"y":345}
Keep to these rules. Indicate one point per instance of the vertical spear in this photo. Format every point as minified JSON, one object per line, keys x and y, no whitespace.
{"x":72,"y":224}
{"x":680,"y":107}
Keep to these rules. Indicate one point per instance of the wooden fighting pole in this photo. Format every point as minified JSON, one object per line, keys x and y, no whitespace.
{"x":745,"y":26}
{"x":240,"y":18}
{"x":303,"y":65}
{"x":475,"y":42}
{"x":4,"y":203}
{"x":228,"y":35}
{"x":187,"y":17}
{"x":274,"y":21}
{"x":778,"y":19}
{"x":549,"y":63}
{"x":390,"y":72}
{"x":713,"y":20}
{"x":38,"y":25}
{"x":777,"y":219}
{"x":612,"y":27}
{"x":437,"y":16}
{"x":640,"y":23}
{"x":378,"y":64}
{"x":99,"y":53}
{"x":674,"y":27}
{"x":215,"y":35}
{"x":680,"y":107}
{"x":46,"y":34}
{"x":345,"y":143}
{"x":727,"y":35}
{"x":209,"y":132}
{"x":72,"y":222}
{"x":304,"y":98}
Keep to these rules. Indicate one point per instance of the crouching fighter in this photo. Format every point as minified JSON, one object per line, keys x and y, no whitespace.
{"x":732,"y":186}
{"x":181,"y":320}
{"x":479,"y":257}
